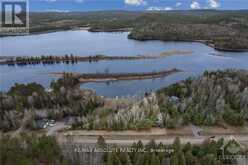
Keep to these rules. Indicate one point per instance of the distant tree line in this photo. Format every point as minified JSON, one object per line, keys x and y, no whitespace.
{"x":42,"y":60}
{"x":226,"y":30}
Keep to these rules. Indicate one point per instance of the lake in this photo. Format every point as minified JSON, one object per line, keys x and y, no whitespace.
{"x":83,"y":43}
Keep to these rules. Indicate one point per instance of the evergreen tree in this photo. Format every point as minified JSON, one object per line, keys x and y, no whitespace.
{"x":151,"y":145}
{"x":124,"y":157}
{"x":155,"y":159}
{"x":209,"y":159}
{"x":140,"y":144}
{"x":110,"y":160}
{"x":101,"y":142}
{"x":147,"y":158}
{"x":174,"y":159}
{"x":187,"y":147}
{"x":177,"y":145}
{"x":128,"y":161}
{"x":189,"y":158}
{"x":140,"y":159}
{"x":181,"y":158}
{"x":165,"y":161}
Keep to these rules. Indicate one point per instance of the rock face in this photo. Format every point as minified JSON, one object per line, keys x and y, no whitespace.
{"x":210,"y":98}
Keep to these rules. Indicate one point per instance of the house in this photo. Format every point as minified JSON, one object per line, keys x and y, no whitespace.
{"x":44,"y":123}
{"x":41,"y":124}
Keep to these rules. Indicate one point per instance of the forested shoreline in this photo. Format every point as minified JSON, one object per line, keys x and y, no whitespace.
{"x":223,"y":30}
{"x":20,"y":106}
{"x":217,"y":98}
{"x":71,"y":59}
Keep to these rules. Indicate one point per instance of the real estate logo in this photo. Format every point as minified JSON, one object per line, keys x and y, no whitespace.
{"x":14,"y":17}
{"x":233,"y":148}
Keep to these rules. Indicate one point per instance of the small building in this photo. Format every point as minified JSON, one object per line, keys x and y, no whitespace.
{"x":44,"y":123}
{"x":41,"y":124}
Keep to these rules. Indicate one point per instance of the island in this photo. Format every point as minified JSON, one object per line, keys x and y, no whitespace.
{"x":110,"y":77}
{"x":55,"y":59}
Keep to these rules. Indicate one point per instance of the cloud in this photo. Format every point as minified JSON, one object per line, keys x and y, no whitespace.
{"x":168,"y":8}
{"x":178,"y":4}
{"x":213,"y":3}
{"x":135,"y":2}
{"x":58,"y":11}
{"x":195,"y":5}
{"x":155,"y":8}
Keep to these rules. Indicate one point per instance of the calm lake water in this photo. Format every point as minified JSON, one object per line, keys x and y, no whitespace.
{"x":85,"y":43}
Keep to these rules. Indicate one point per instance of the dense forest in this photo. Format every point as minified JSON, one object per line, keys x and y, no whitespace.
{"x":224,"y":30}
{"x":209,"y":153}
{"x":216,"y":98}
{"x":32,"y":150}
{"x":20,"y":106}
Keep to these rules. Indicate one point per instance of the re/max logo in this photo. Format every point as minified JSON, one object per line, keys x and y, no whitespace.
{"x":14,"y":13}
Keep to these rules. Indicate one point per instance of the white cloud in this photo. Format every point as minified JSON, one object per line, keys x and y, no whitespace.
{"x":135,"y":2}
{"x":155,"y":8}
{"x":168,"y":8}
{"x":213,"y":3}
{"x":195,"y":5}
{"x":58,"y":11}
{"x":178,"y":4}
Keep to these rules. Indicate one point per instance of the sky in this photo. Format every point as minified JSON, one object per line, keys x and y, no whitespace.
{"x":150,"y":5}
